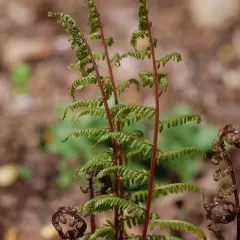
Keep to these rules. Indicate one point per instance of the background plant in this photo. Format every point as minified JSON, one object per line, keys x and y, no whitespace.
{"x":201,"y":137}
{"x":129,"y":211}
{"x":20,"y":74}
{"x":75,"y":153}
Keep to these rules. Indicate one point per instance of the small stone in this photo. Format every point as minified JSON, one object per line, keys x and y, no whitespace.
{"x":21,"y":104}
{"x":8,"y":175}
{"x":231,"y":79}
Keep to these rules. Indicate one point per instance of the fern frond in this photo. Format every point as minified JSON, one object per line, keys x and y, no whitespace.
{"x":221,"y":173}
{"x":172,"y":56}
{"x":94,"y":24}
{"x":99,"y":56}
{"x":142,"y":145}
{"x":126,"y":84}
{"x":94,"y":36}
{"x":179,"y":120}
{"x":141,"y":196}
{"x":105,"y":155}
{"x":142,"y":12}
{"x":92,"y":16}
{"x":132,"y":220}
{"x":137,"y":35}
{"x":133,"y":175}
{"x":116,"y":60}
{"x":120,"y":137}
{"x":116,"y":108}
{"x":100,"y":112}
{"x":76,"y":40}
{"x":98,"y":162}
{"x":107,"y":85}
{"x":152,"y":237}
{"x":147,"y":78}
{"x":83,"y":104}
{"x":225,"y":191}
{"x":176,"y":188}
{"x":137,"y":134}
{"x":134,"y":154}
{"x":123,"y":108}
{"x":109,"y":40}
{"x":180,"y":226}
{"x":81,"y":83}
{"x":91,"y":133}
{"x":174,"y":154}
{"x":131,"y":113}
{"x":106,"y":232}
{"x":70,"y":27}
{"x":106,"y":202}
{"x":82,"y":62}
{"x":93,"y":166}
{"x":132,"y":118}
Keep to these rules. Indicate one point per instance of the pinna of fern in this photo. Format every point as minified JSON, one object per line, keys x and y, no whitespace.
{"x":105,"y":164}
{"x":165,"y":189}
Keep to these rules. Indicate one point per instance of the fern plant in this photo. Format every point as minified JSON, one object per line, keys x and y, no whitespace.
{"x":108,"y":172}
{"x":219,"y":210}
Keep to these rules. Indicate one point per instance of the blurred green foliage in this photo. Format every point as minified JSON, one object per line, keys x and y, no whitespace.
{"x":188,"y":135}
{"x":20,"y":73}
{"x":74,"y":152}
{"x":77,"y":151}
{"x":25,"y":171}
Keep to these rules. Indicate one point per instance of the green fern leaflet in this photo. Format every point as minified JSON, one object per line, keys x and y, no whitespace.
{"x":180,"y":226}
{"x":167,"y":58}
{"x":179,"y":120}
{"x":174,"y":154}
{"x":106,"y":202}
{"x":133,"y":175}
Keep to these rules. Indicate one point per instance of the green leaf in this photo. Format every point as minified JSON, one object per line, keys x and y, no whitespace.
{"x":25,"y":172}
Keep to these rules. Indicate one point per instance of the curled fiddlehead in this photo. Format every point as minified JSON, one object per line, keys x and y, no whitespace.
{"x":220,"y":211}
{"x":66,"y":215}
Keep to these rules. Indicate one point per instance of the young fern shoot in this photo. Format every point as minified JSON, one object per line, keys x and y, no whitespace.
{"x":220,"y":211}
{"x":107,"y":168}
